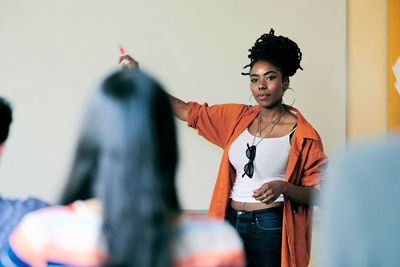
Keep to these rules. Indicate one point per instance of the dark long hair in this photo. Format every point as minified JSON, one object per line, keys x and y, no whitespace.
{"x":127,"y":157}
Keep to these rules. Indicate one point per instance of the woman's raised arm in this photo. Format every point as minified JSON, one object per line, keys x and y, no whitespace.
{"x":180,"y":107}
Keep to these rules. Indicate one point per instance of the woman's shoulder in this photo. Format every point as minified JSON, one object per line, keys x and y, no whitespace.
{"x":75,"y":210}
{"x":43,"y":216}
{"x":205,"y":239}
{"x":53,"y":221}
{"x":228,"y":106}
{"x":49,"y":224}
{"x":303,"y":126}
{"x":200,"y":223}
{"x":57,"y":231}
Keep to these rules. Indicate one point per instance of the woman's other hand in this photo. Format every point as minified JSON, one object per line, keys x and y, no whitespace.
{"x":270,"y":191}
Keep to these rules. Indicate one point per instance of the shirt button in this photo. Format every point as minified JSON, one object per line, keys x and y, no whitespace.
{"x":240,"y":212}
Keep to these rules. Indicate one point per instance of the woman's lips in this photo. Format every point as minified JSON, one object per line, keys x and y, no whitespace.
{"x":263,"y":97}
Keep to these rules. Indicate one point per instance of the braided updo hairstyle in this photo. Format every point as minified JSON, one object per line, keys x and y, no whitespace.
{"x":279,"y":51}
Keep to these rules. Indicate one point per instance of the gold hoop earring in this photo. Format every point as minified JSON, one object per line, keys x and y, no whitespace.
{"x":248,"y":104}
{"x":294,"y":97}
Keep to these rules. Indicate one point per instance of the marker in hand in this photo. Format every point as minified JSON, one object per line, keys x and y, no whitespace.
{"x":122,"y":50}
{"x":125,"y":62}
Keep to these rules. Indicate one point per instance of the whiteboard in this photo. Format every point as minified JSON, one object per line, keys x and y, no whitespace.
{"x":54,"y":52}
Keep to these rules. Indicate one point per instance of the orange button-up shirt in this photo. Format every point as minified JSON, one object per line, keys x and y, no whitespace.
{"x":221,"y":125}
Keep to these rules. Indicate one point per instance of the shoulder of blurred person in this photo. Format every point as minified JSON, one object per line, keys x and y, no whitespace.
{"x":199,"y":241}
{"x":51,"y":233}
{"x":360,"y":219}
{"x":11,"y":213}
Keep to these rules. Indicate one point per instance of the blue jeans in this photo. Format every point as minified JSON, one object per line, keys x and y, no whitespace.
{"x":261,"y":233}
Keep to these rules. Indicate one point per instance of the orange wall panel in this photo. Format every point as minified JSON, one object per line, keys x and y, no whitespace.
{"x":367,"y":68}
{"x":393,"y":55}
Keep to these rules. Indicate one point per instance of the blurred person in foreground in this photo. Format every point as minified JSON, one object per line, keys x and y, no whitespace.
{"x":11,"y":210}
{"x":121,"y":202}
{"x":360,"y":224}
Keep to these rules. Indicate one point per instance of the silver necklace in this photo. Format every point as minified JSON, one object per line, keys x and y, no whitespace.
{"x":274,"y":123}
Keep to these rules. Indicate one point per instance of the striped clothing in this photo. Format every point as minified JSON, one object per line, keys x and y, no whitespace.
{"x":71,"y":236}
{"x":11,"y":213}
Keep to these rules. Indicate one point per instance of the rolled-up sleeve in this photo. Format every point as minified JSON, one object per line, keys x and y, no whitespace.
{"x":214,"y":123}
{"x":315,"y":165}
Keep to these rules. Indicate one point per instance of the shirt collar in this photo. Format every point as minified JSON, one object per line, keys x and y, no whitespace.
{"x":305,"y":129}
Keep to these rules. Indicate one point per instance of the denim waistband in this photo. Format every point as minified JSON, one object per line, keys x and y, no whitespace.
{"x":278,"y":209}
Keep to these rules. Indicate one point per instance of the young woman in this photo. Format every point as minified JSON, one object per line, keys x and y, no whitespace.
{"x":124,"y":210}
{"x":272,"y":162}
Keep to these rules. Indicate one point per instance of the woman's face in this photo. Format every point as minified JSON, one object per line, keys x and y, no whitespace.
{"x":266,"y":84}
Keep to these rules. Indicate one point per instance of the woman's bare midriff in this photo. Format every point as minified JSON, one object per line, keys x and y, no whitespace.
{"x":254,"y":206}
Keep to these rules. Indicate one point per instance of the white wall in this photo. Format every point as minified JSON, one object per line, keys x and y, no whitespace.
{"x":52,"y":52}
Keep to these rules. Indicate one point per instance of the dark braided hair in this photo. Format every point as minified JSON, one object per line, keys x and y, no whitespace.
{"x":279,"y":51}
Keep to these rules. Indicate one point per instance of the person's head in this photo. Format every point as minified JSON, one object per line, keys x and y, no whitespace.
{"x":359,"y":222}
{"x":5,"y":121}
{"x":127,"y":157}
{"x":273,"y":59}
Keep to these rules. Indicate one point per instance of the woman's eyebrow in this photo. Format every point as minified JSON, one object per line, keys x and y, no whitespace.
{"x":268,"y":72}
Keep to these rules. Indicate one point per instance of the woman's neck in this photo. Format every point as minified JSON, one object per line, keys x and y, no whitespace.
{"x":271,"y":114}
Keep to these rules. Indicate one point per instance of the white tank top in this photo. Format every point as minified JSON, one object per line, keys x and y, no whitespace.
{"x":270,"y":163}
